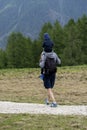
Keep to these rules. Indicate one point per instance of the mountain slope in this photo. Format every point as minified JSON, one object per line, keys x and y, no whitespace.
{"x":28,"y":16}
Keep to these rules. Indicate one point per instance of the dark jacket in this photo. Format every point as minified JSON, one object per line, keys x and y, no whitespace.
{"x":47,"y":44}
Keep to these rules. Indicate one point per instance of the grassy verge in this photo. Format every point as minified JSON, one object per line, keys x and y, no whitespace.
{"x":42,"y":122}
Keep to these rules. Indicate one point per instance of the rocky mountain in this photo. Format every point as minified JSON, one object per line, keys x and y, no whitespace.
{"x":28,"y":16}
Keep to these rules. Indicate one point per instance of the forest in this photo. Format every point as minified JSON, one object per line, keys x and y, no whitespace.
{"x":70,"y":43}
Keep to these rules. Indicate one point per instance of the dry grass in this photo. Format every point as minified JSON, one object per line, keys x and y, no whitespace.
{"x":23,"y":85}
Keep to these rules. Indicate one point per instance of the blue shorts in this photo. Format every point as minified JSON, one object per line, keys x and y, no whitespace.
{"x":49,"y":80}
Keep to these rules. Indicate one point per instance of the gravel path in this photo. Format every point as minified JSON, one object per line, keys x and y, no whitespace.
{"x":13,"y":107}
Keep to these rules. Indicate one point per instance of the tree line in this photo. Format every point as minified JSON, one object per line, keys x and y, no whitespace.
{"x":70,"y":43}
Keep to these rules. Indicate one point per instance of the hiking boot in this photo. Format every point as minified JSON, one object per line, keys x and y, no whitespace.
{"x":46,"y":101}
{"x":53,"y":104}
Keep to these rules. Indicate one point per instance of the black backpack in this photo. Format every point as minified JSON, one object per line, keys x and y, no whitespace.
{"x":50,"y":65}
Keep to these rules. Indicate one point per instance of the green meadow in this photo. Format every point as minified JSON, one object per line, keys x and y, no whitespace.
{"x":24,"y":85}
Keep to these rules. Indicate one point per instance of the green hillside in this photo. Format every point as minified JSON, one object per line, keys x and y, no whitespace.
{"x":28,"y":16}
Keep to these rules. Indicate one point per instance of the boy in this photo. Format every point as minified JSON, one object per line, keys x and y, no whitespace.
{"x":47,"y":44}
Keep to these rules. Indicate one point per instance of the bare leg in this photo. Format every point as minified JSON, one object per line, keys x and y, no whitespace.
{"x":50,"y":95}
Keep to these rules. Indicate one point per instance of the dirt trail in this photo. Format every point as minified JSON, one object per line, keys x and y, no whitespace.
{"x":15,"y":108}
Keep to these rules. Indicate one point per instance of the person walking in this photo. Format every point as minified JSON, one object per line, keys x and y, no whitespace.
{"x":49,"y":62}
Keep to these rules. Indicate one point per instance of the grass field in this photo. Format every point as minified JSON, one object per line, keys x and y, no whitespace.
{"x":23,"y":85}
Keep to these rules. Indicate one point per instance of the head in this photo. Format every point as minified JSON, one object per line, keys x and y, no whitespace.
{"x":46,"y":36}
